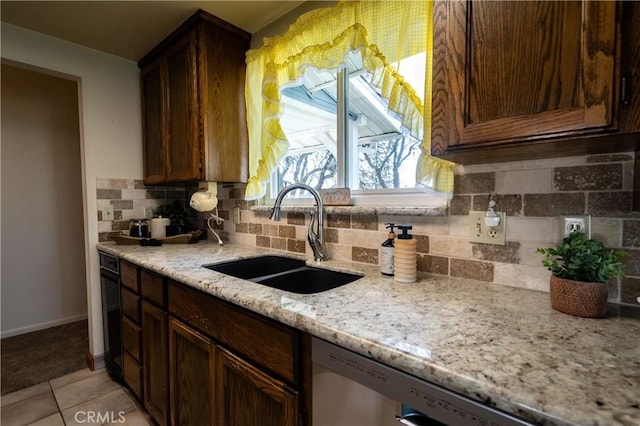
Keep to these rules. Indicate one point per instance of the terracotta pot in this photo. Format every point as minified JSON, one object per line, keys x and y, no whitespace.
{"x":578,"y":298}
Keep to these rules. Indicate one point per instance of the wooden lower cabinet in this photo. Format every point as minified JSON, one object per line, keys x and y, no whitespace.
{"x":132,"y":374}
{"x":191,"y":376}
{"x":247,"y":396}
{"x":131,"y":338}
{"x":155,"y":362}
{"x":194,"y":359}
{"x":212,"y":386}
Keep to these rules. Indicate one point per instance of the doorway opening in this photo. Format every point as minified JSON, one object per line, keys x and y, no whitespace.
{"x":42,"y":220}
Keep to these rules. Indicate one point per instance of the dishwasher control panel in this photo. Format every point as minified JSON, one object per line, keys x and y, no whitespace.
{"x":433,"y":401}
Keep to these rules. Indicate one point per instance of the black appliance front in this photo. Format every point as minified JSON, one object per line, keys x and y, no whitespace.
{"x":111,"y":322}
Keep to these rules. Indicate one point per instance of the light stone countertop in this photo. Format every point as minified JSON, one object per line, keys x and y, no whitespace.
{"x":496,"y":344}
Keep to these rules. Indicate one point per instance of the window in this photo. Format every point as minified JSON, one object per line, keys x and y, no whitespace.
{"x":374,"y":152}
{"x":317,"y":98}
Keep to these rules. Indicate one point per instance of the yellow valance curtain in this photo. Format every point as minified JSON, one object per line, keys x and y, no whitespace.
{"x":383,"y":32}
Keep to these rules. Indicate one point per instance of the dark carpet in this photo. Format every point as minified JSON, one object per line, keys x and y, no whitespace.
{"x":39,"y":356}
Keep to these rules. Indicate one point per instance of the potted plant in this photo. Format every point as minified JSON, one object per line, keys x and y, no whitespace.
{"x":177,"y":214}
{"x":581,"y":270}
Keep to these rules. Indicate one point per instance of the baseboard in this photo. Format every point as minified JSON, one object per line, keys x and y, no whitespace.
{"x":42,"y":326}
{"x":95,"y":363}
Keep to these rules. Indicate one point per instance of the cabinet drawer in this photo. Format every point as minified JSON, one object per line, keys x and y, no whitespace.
{"x":263,"y":341}
{"x":153,"y":287}
{"x":133,"y":375}
{"x":130,"y":305}
{"x":131,"y":335}
{"x":129,"y":276}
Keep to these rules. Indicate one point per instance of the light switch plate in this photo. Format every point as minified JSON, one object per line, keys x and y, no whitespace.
{"x":479,"y":232}
{"x":107,"y":212}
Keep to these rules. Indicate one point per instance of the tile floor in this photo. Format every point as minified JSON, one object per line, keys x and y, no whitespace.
{"x":85,"y":397}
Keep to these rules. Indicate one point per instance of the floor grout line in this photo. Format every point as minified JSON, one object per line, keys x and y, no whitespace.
{"x":136,"y":405}
{"x":56,"y":400}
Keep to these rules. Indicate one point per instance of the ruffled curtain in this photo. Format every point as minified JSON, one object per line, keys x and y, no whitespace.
{"x":383,"y":32}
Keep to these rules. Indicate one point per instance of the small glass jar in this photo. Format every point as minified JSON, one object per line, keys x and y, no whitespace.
{"x":139,"y":228}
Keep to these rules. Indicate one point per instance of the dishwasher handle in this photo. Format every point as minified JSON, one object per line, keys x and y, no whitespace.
{"x":417,"y":419}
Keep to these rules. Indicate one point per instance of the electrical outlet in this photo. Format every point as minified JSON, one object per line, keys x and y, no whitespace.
{"x":107,"y":212}
{"x":479,"y":232}
{"x":236,"y":215}
{"x":571,"y":224}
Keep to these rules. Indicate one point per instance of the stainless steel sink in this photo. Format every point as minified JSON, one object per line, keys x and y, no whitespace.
{"x":285,"y":273}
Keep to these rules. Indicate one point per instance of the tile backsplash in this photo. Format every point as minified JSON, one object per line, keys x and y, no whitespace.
{"x":532,"y":193}
{"x":129,"y":198}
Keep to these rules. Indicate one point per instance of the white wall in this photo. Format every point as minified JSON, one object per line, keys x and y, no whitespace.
{"x":43,"y":278}
{"x":111,"y":129}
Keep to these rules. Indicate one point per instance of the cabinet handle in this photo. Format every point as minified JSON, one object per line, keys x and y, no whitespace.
{"x":625,"y":89}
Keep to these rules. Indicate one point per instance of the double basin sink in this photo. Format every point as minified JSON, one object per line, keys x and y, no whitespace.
{"x":284,"y":273}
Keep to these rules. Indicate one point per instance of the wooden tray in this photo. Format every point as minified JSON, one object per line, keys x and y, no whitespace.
{"x":189,"y":238}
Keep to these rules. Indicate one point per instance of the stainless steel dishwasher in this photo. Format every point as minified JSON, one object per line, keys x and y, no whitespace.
{"x":434,"y":404}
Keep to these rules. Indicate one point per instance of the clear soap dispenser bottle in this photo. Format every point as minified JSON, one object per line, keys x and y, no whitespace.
{"x":387,"y":251}
{"x":405,"y":263}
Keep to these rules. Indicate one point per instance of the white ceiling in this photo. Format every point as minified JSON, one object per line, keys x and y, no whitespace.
{"x":131,"y":28}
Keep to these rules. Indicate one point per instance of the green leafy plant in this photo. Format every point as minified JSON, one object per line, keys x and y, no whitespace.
{"x":175,"y":211}
{"x":580,"y":259}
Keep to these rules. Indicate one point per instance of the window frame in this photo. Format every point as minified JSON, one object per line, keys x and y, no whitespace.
{"x":402,"y":197}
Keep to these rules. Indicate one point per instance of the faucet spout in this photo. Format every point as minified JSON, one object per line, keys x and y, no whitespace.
{"x":316,"y":239}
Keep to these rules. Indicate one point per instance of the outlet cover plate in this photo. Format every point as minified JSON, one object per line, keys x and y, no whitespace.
{"x":479,"y":232}
{"x":571,"y":224}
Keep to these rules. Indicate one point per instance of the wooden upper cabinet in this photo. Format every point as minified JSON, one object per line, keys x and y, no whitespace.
{"x":224,"y":125}
{"x":152,"y":108}
{"x":194,"y":123}
{"x":630,"y":70}
{"x":182,"y":149}
{"x":512,"y":72}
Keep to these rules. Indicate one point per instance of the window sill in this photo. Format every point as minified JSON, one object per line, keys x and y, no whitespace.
{"x":362,"y":210}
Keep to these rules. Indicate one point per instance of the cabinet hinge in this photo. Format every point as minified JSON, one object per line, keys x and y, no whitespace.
{"x":625,"y":90}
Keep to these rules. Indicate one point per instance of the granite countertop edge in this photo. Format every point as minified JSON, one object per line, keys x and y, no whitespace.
{"x":509,"y":377}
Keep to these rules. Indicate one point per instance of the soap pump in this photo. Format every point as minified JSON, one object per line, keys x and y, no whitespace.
{"x":387,"y":251}
{"x":405,"y":263}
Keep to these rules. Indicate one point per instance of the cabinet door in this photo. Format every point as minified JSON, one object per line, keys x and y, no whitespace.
{"x":153,"y":124}
{"x":221,"y":68}
{"x":131,"y":337}
{"x":513,"y":71}
{"x":183,"y":138}
{"x":191,"y":360}
{"x":248,"y":396}
{"x":155,"y":363}
{"x":132,"y":372}
{"x":130,"y":305}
